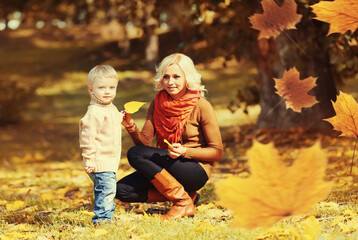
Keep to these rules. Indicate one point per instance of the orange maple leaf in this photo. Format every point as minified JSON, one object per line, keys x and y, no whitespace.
{"x":294,"y":90}
{"x":346,"y":118}
{"x":274,"y":191}
{"x":275,"y":19}
{"x":342,"y":15}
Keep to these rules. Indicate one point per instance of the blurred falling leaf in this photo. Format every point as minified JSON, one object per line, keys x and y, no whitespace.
{"x":275,"y":191}
{"x":275,"y":19}
{"x":294,"y":90}
{"x":346,"y":118}
{"x":342,"y":15}
{"x":133,"y":106}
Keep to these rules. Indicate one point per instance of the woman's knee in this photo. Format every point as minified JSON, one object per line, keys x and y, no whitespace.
{"x":134,"y":155}
{"x":123,"y":192}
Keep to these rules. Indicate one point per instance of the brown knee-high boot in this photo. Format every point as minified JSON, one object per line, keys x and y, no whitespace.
{"x":155,"y":196}
{"x":170,"y":188}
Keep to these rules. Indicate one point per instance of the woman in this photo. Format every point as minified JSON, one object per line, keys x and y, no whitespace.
{"x":180,"y":115}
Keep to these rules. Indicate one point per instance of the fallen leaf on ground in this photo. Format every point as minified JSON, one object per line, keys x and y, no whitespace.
{"x":16,"y":205}
{"x":275,"y":191}
{"x":100,"y":232}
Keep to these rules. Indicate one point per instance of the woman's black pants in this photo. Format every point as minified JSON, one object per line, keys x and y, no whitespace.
{"x":149,"y":161}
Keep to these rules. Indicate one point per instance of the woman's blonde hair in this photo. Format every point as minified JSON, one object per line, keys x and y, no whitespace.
{"x":193,"y":78}
{"x":101,"y":71}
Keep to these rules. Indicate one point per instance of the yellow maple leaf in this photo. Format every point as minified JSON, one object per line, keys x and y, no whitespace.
{"x":133,"y":106}
{"x":294,"y":90}
{"x":346,"y":118}
{"x":275,"y":19}
{"x":275,"y":191}
{"x":342,"y":15}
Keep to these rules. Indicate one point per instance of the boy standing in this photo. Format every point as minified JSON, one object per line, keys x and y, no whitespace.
{"x":100,"y":140}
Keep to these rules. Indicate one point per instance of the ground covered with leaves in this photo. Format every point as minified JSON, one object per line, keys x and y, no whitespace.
{"x":46,"y":194}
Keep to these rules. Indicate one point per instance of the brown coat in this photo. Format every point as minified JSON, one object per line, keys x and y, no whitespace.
{"x":201,"y":135}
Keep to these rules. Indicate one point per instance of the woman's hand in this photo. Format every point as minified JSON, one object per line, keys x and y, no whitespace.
{"x":127,"y":119}
{"x":177,"y":151}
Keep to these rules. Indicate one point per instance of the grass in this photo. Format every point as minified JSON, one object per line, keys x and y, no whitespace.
{"x":46,"y":195}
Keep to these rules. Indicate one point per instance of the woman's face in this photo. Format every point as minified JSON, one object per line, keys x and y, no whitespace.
{"x":174,"y":81}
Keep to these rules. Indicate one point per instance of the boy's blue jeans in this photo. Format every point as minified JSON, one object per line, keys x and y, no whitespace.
{"x":104,"y":185}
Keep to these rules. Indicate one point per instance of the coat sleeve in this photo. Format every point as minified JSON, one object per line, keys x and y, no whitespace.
{"x":213,"y":150}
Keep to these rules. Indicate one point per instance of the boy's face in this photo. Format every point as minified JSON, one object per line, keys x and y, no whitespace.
{"x":104,"y":89}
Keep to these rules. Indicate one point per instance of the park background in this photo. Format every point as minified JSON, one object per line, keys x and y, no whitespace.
{"x":47,"y":48}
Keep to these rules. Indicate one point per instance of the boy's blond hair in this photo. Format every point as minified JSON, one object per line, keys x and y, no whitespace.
{"x":101,"y":71}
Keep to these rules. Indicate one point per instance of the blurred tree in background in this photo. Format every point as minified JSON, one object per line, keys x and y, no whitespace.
{"x":207,"y":29}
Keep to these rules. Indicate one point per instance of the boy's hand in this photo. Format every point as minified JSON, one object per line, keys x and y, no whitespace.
{"x":89,"y":169}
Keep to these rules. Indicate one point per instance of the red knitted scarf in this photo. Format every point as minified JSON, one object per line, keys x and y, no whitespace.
{"x":170,"y":116}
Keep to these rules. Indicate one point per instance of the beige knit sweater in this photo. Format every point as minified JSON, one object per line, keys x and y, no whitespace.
{"x":100,"y":137}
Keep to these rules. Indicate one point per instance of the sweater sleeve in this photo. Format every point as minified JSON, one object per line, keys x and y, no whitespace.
{"x":145,"y":136}
{"x":90,"y":126}
{"x":213,"y":150}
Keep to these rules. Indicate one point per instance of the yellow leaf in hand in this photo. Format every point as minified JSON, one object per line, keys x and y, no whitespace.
{"x":133,"y":106}
{"x":346,"y":118}
{"x":169,"y":145}
{"x":274,"y":191}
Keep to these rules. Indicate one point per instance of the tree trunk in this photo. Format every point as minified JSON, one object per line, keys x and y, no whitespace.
{"x":308,"y":51}
{"x":124,"y":43}
{"x":152,"y":39}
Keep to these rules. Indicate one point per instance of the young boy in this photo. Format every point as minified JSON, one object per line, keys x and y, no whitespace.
{"x":100,"y":140}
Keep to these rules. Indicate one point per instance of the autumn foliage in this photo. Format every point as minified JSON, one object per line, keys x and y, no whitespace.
{"x":274,"y":191}
{"x":56,"y":197}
